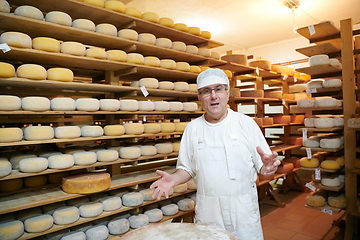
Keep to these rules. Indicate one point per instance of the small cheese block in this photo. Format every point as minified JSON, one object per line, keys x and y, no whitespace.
{"x":35,"y":181}
{"x":137,"y":221}
{"x":176,"y":106}
{"x":149,"y":82}
{"x":324,"y":122}
{"x":84,"y":24}
{"x":92,"y":131}
{"x":36,"y":133}
{"x":332,"y":83}
{"x":147,"y":38}
{"x":166,"y":85}
{"x":330,"y":181}
{"x":90,"y":209}
{"x":204,"y":52}
{"x":309,"y":163}
{"x":118,"y":226}
{"x":73,"y":48}
{"x":66,"y":215}
{"x":114,"y":130}
{"x":31,"y":71}
{"x":130,"y":152}
{"x":35,"y":103}
{"x":5,"y":167}
{"x":116,"y":55}
{"x":33,"y":165}
{"x":321,"y":59}
{"x":98,"y":3}
{"x":129,"y":105}
{"x":285,"y":167}
{"x":161,"y":106}
{"x":315,"y":201}
{"x":6,"y":70}
{"x":87,"y":104}
{"x":134,"y":128}
{"x":330,"y":143}
{"x":168,"y":64}
{"x":146,"y":106}
{"x":9,"y":102}
{"x":58,"y":18}
{"x":106,"y":29}
{"x":62,"y":104}
{"x":190,"y":106}
{"x":135,"y":58}
{"x":152,"y":127}
{"x":60,"y":74}
{"x":97,"y":233}
{"x":170,"y":209}
{"x":186,"y":204}
{"x":86,"y":183}
{"x":132,"y":11}
{"x":152,"y":61}
{"x":167,"y":127}
{"x":39,"y":223}
{"x":30,"y":12}
{"x":108,"y":155}
{"x":306,"y":103}
{"x":11,"y":229}
{"x":74,"y":235}
{"x":64,"y":132}
{"x":95,"y":52}
{"x":181,"y":26}
{"x":132,"y":199}
{"x":330,"y":165}
{"x":180,"y":126}
{"x":116,"y":6}
{"x":163,"y":42}
{"x":262,"y":64}
{"x":46,"y":44}
{"x":148,"y":150}
{"x":84,"y":158}
{"x":181,"y":188}
{"x":109,"y":104}
{"x":183,"y":66}
{"x":16,"y":39}
{"x":311,"y":143}
{"x":111,"y":203}
{"x":128,"y":34}
{"x":337,"y":201}
{"x":165,"y":21}
{"x":179,"y":46}
{"x":176,"y":146}
{"x":61,"y":161}
{"x":11,"y":185}
{"x":155,"y":215}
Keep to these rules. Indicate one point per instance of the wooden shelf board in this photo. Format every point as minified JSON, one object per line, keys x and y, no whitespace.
{"x":321,"y":108}
{"x":327,"y":188}
{"x":322,"y":30}
{"x":325,"y":149}
{"x":336,"y":210}
{"x":320,"y":69}
{"x":283,"y":147}
{"x":325,"y":90}
{"x":322,"y":129}
{"x":321,"y":169}
{"x":323,"y":48}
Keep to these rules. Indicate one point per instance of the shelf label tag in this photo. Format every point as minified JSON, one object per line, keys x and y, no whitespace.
{"x":308,"y":153}
{"x":285,"y":77}
{"x":257,"y":71}
{"x":295,"y":79}
{"x":144,"y":118}
{"x":311,"y":29}
{"x":4,"y":47}
{"x":144,"y":91}
{"x":311,"y":90}
{"x":327,"y":211}
{"x":304,"y":134}
{"x":317,"y":174}
{"x":311,"y":187}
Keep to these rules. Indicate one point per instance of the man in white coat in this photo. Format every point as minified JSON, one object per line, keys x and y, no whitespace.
{"x":223,"y":151}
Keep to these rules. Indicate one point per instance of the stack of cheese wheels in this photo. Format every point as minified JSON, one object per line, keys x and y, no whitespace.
{"x":58,"y":18}
{"x":6,"y":70}
{"x":9,"y":103}
{"x":129,"y":105}
{"x":116,"y":55}
{"x":128,"y":34}
{"x":60,"y":74}
{"x":86,"y":183}
{"x":73,"y":48}
{"x":320,"y":59}
{"x":311,"y":142}
{"x":31,"y":71}
{"x":106,"y":29}
{"x":116,"y":6}
{"x":15,"y":159}
{"x":16,"y":39}
{"x":84,"y":24}
{"x":46,"y":44}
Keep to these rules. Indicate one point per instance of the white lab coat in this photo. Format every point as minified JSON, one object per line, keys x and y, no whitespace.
{"x":223,"y":160}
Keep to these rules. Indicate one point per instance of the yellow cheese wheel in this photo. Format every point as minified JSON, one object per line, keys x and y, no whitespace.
{"x":167,"y":127}
{"x":152,"y":127}
{"x":136,"y":58}
{"x":35,"y":181}
{"x":46,"y":44}
{"x":206,"y":34}
{"x":30,"y":12}
{"x":116,"y":55}
{"x":116,"y":6}
{"x":132,"y":11}
{"x":134,"y":128}
{"x":181,"y":26}
{"x":73,"y":48}
{"x":163,"y":42}
{"x":10,"y":135}
{"x":60,"y":74}
{"x":58,"y":18}
{"x":195,"y":69}
{"x":149,"y":82}
{"x":315,"y":201}
{"x":183,"y":66}
{"x":114,"y":130}
{"x":151,"y":16}
{"x":94,"y":52}
{"x":16,"y":39}
{"x":176,"y":146}
{"x":168,"y":63}
{"x":86,"y":183}
{"x":166,"y":85}
{"x":330,"y":165}
{"x":181,"y":86}
{"x":309,"y":163}
{"x":152,"y":61}
{"x":180,"y":126}
{"x":6,"y":70}
{"x":84,"y":24}
{"x":31,"y":71}
{"x":204,"y":52}
{"x":214,"y":54}
{"x":128,"y":34}
{"x":147,"y":38}
{"x":192,"y":49}
{"x":194,"y":30}
{"x":12,"y":229}
{"x":168,"y":22}
{"x":98,"y":3}
{"x":36,"y":133}
{"x":107,"y":29}
{"x":11,"y":185}
{"x":179,"y":46}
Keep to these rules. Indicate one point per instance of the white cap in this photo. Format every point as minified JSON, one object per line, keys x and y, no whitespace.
{"x":211,"y":76}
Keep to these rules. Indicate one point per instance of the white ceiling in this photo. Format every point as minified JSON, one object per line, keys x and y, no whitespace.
{"x":244,"y":24}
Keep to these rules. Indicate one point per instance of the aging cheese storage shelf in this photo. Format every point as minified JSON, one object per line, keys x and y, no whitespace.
{"x":321,"y":71}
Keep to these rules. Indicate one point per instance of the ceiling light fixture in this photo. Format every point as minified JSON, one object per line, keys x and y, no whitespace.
{"x":292,"y":4}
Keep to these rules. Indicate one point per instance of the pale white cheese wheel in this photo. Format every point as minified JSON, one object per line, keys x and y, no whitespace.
{"x":73,"y":48}
{"x":179,"y":46}
{"x":324,"y":122}
{"x":186,"y":204}
{"x":180,"y":188}
{"x":190,"y":106}
{"x":4,"y":6}
{"x":320,"y":59}
{"x":330,"y":181}
{"x":92,"y":131}
{"x":130,"y":152}
{"x":36,"y":133}
{"x":147,"y":38}
{"x":9,"y":103}
{"x":215,"y":55}
{"x":192,"y":49}
{"x":11,"y":229}
{"x":338,"y":121}
{"x":5,"y":167}
{"x":128,"y":34}
{"x":315,"y":83}
{"x":39,"y":223}
{"x":46,"y":44}
{"x":62,"y":104}
{"x":150,"y":16}
{"x":107,"y":155}
{"x":74,"y":235}
{"x":90,"y":209}
{"x":146,"y":105}
{"x":87,"y":104}
{"x":183,"y":66}
{"x":335,"y":82}
{"x":326,"y":102}
{"x":181,"y":86}
{"x":84,"y":24}
{"x":129,"y":105}
{"x":164,"y":147}
{"x":149,"y":82}
{"x":95,"y":52}
{"x":14,"y":160}
{"x":330,"y":143}
{"x":66,"y":215}
{"x":176,"y":106}
{"x":155,"y":215}
{"x":109,"y":104}
{"x":6,"y":70}
{"x":31,"y":71}
{"x":35,"y":103}
{"x":59,"y":18}
{"x":166,"y":85}
{"x":61,"y":161}
{"x":163,"y":42}
{"x":137,"y":221}
{"x":116,"y":55}
{"x":306,"y":103}
{"x":67,"y":132}
{"x":311,"y":143}
{"x":148,"y":150}
{"x":204,"y":52}
{"x":335,"y":63}
{"x":152,"y":127}
{"x":16,"y":39}
{"x":152,"y":61}
{"x":30,"y":12}
{"x":114,"y":130}
{"x":118,"y":226}
{"x":10,"y":135}
{"x":111,"y":203}
{"x":161,"y":106}
{"x":97,"y":232}
{"x":170,"y":209}
{"x":147,"y":194}
{"x":33,"y":165}
{"x":180,"y":126}
{"x":135,"y":58}
{"x":84,"y":158}
{"x":309,"y":122}
{"x":134,"y":128}
{"x":107,"y":29}
{"x":116,"y":6}
{"x":132,"y":199}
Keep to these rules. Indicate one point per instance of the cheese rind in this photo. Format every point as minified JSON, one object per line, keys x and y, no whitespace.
{"x":147,"y":38}
{"x":61,"y":161}
{"x":116,"y":6}
{"x":163,"y":42}
{"x":5,"y":167}
{"x":111,"y":203}
{"x":62,"y":104}
{"x":109,"y":104}
{"x":31,"y":71}
{"x":97,"y":232}
{"x":33,"y":165}
{"x":46,"y":44}
{"x":167,"y":127}
{"x":116,"y":55}
{"x":170,"y":209}
{"x":11,"y":185}
{"x":87,"y":104}
{"x":66,"y":215}
{"x":36,"y":133}
{"x":132,"y":199}
{"x":86,"y":183}
{"x":186,"y":204}
{"x":39,"y":223}
{"x":129,"y":105}
{"x":315,"y":201}
{"x":30,"y":12}
{"x":152,"y":128}
{"x":118,"y":226}
{"x":146,"y":106}
{"x":138,"y":221}
{"x":84,"y":24}
{"x":179,"y":46}
{"x":107,"y":155}
{"x":10,"y":134}
{"x":132,"y":11}
{"x":135,"y":58}
{"x":154,"y":215}
{"x":152,"y":61}
{"x":134,"y":128}
{"x":168,"y":22}
{"x":106,"y":29}
{"x":321,"y":59}
{"x":130,"y":152}
{"x":128,"y":34}
{"x":12,"y":229}
{"x":6,"y":70}
{"x":166,"y":85}
{"x":309,"y":163}
{"x":190,"y":106}
{"x":84,"y":158}
{"x":58,"y":18}
{"x":73,"y":48}
{"x":60,"y":74}
{"x":114,"y":130}
{"x":90,"y":209}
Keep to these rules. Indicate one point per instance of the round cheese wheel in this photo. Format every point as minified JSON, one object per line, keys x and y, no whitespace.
{"x":324,"y":122}
{"x":90,"y":209}
{"x":154,"y":215}
{"x":152,"y":61}
{"x":73,"y":235}
{"x":164,"y":147}
{"x":309,"y":163}
{"x":128,"y":34}
{"x":315,"y":83}
{"x":84,"y":158}
{"x":194,"y":30}
{"x":9,"y":103}
{"x":62,"y":104}
{"x":170,"y":209}
{"x":161,"y":106}
{"x":330,"y":181}
{"x":14,"y":160}
{"x":118,"y":226}
{"x":98,"y":3}
{"x":315,"y":201}
{"x":31,"y":71}
{"x":33,"y":165}
{"x":151,"y":16}
{"x":46,"y":44}
{"x":129,"y":105}
{"x":132,"y":11}
{"x":66,"y":215}
{"x":137,"y":221}
{"x":148,"y":150}
{"x":95,"y":52}
{"x":39,"y":223}
{"x":58,"y":18}
{"x":35,"y":103}
{"x":84,"y":24}
{"x":331,"y":143}
{"x":168,"y":63}
{"x":152,"y":128}
{"x":107,"y":155}
{"x":321,"y":59}
{"x":12,"y":229}
{"x":181,"y":26}
{"x":134,"y":128}
{"x":73,"y":48}
{"x":176,"y":146}
{"x":192,"y":49}
{"x":191,"y":184}
{"x":335,"y":63}
{"x":311,"y":143}
{"x":309,"y":122}
{"x":136,"y":58}
{"x":147,"y":38}
{"x":186,"y":204}
{"x":61,"y":161}
{"x":11,"y":185}
{"x":60,"y":74}
{"x":166,"y":85}
{"x":165,"y":21}
{"x":106,"y":29}
{"x":204,"y":52}
{"x":285,"y":167}
{"x":206,"y":34}
{"x":109,"y":104}
{"x":36,"y":133}
{"x":97,"y":232}
{"x":306,"y":103}
{"x":56,"y":178}
{"x":203,"y":68}
{"x":30,"y":12}
{"x":86,"y":183}
{"x":176,"y":106}
{"x":262,"y":64}
{"x":132,"y":199}
{"x":195,"y":69}
{"x":114,"y":130}
{"x":116,"y":6}
{"x":146,"y":105}
{"x":4,"y":6}
{"x":180,"y":188}
{"x":190,"y":106}
{"x":130,"y":152}
{"x":163,"y":42}
{"x":116,"y":55}
{"x":147,"y":194}
{"x":214,"y":54}
{"x":92,"y":131}
{"x":181,"y":86}
{"x":111,"y":203}
{"x":180,"y":126}
{"x":179,"y":46}
{"x":5,"y":167}
{"x":6,"y":70}
{"x":67,"y":132}
{"x":193,"y":87}
{"x":335,"y":82}
{"x":183,"y":66}
{"x":16,"y":39}
{"x":87,"y":104}
{"x":337,"y":201}
{"x":149,"y":82}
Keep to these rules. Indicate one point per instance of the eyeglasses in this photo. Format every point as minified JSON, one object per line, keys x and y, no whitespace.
{"x":206,"y":92}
